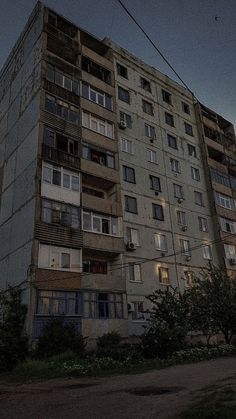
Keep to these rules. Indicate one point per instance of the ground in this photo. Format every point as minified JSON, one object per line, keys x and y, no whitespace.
{"x":160,"y":394}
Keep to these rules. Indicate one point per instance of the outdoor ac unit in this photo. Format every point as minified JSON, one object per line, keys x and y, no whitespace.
{"x":180,"y":200}
{"x":232,"y":261}
{"x":130,"y":246}
{"x":184,"y":228}
{"x":123,"y":125}
{"x":130,"y":307}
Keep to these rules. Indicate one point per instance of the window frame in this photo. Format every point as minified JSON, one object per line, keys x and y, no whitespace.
{"x":161,"y":270}
{"x":155,"y":208}
{"x":127,"y":206}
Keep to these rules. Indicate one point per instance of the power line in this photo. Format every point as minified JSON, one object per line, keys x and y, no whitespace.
{"x":154,"y":45}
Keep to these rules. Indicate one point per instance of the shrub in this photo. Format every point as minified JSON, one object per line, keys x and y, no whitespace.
{"x":58,"y":337}
{"x":13,"y":339}
{"x":201,"y":353}
{"x":108,"y":341}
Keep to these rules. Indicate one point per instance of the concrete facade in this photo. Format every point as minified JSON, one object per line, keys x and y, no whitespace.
{"x":104,"y":180}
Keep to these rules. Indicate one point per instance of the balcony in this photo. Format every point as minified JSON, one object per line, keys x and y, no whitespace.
{"x":106,"y":205}
{"x":109,"y":176}
{"x":107,"y":282}
{"x":52,"y":279}
{"x":58,"y":235}
{"x":58,"y":156}
{"x":103,"y":244}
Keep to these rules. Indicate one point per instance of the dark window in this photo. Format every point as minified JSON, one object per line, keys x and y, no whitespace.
{"x":124,"y":117}
{"x":145,"y":84}
{"x":122,"y":70}
{"x":95,"y":267}
{"x":192,"y":150}
{"x":58,"y":302}
{"x":96,"y":70}
{"x":178,"y":191}
{"x":198,"y":198}
{"x":166,"y":96}
{"x":147,"y":107}
{"x":150,"y":131}
{"x":103,"y":305}
{"x":157,"y":212}
{"x":188,"y":129}
{"x":62,"y":109}
{"x":123,"y":95}
{"x":155,"y":183}
{"x":128,"y":174}
{"x":172,"y":141}
{"x":59,"y":213}
{"x":131,"y":204}
{"x":61,"y":79}
{"x":186,"y":108}
{"x":169,"y":119}
{"x":210,"y":133}
{"x":93,"y":192}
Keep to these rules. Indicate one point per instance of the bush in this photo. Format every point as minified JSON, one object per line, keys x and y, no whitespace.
{"x":201,"y":353}
{"x":58,"y":337}
{"x":13,"y":339}
{"x":108,"y":341}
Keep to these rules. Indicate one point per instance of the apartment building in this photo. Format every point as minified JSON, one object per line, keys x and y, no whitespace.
{"x":105,"y":192}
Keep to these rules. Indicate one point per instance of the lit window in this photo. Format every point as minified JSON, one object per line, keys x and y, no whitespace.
{"x":189,"y":276}
{"x":164,"y":276}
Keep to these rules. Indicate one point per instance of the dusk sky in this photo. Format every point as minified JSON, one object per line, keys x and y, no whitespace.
{"x":201,"y":47}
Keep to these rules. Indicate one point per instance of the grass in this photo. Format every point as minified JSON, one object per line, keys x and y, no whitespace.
{"x":217,"y":403}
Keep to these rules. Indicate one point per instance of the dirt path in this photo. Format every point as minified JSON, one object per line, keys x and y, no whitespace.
{"x":158,"y":394}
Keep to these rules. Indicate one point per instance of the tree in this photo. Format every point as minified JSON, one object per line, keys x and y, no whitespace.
{"x":13,"y":339}
{"x":213,"y":303}
{"x":168,"y":323}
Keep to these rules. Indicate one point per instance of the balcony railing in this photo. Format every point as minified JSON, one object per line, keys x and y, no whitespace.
{"x":59,"y":156}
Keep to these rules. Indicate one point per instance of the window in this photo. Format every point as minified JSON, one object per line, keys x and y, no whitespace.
{"x":181,"y":218}
{"x":135,"y":272}
{"x":128,"y":174}
{"x":61,"y":79}
{"x":59,"y":258}
{"x":131,"y":204}
{"x":123,"y":94}
{"x":202,"y":222}
{"x":188,"y":276}
{"x":62,"y":24}
{"x":160,"y":242}
{"x":122,"y":70}
{"x":127,"y":146}
{"x":93,"y":192}
{"x":62,"y":109}
{"x":124,"y":117}
{"x":96,"y":155}
{"x":61,"y":214}
{"x":53,"y":139}
{"x":185,"y":247}
{"x":101,"y":126}
{"x":58,"y":303}
{"x":95,"y":267}
{"x":166,"y":96}
{"x":178,"y":191}
{"x":230,"y":251}
{"x":150,"y":131}
{"x":164,"y":276}
{"x":151,"y":156}
{"x":145,"y":84}
{"x":220,"y":178}
{"x":147,"y":107}
{"x":103,"y":305}
{"x":133,"y":235}
{"x":155,"y":183}
{"x":198,"y":198}
{"x":95,"y":69}
{"x":169,"y":119}
{"x":206,"y":252}
{"x":96,"y":96}
{"x":101,"y":224}
{"x":172,"y":141}
{"x":188,"y":129}
{"x":192,"y":150}
{"x":225,"y":201}
{"x":186,"y":108}
{"x":157,"y":212}
{"x":195,"y":174}
{"x":137,"y":312}
{"x":175,"y":166}
{"x":60,"y":177}
{"x":227,"y":225}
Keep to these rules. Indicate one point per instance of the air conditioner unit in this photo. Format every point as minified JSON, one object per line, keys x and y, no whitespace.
{"x":184,"y":228}
{"x":130,"y":307}
{"x":131,"y":246}
{"x":180,"y":200}
{"x":123,"y":125}
{"x":232,"y":261}
{"x":188,"y":258}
